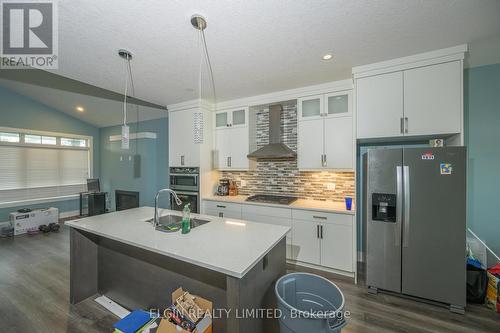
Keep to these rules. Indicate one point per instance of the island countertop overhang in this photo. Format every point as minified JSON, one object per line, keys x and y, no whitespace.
{"x":227,"y":246}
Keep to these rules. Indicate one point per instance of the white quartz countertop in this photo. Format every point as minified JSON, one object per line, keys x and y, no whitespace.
{"x":316,"y":205}
{"x":228,"y":246}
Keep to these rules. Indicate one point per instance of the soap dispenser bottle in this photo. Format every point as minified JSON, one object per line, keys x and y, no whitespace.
{"x":186,"y":219}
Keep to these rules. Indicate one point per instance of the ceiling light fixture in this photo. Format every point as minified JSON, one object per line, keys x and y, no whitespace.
{"x":200,"y":23}
{"x":80,"y":109}
{"x":124,"y":54}
{"x":327,"y":56}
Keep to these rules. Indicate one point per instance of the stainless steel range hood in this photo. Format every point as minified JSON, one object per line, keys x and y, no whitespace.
{"x":275,"y":150}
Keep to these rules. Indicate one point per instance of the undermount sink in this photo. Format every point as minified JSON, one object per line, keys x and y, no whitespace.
{"x":173,"y":223}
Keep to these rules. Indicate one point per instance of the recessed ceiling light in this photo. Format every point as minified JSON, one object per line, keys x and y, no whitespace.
{"x":80,"y":109}
{"x":327,"y":56}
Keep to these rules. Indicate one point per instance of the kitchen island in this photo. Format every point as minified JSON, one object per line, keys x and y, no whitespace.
{"x":233,"y":263}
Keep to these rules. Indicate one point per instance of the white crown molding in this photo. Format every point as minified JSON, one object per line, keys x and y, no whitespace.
{"x":192,"y":104}
{"x":413,"y":61}
{"x":285,"y":95}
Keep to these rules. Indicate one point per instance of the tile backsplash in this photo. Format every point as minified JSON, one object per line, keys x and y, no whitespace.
{"x":283,"y":177}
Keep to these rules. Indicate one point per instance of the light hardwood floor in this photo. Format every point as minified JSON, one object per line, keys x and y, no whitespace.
{"x":34,"y":294}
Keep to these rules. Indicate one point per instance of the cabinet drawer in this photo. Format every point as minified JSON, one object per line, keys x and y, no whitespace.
{"x":323,"y":217}
{"x":266,"y":211}
{"x":220,"y":213}
{"x":222,"y":206}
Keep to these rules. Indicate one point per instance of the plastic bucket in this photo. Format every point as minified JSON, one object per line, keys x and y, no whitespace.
{"x":309,"y":303}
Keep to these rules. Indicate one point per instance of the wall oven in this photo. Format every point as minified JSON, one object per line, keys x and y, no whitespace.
{"x":190,"y":198}
{"x":185,"y":182}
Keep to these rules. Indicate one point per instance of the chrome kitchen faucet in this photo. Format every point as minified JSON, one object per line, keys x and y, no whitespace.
{"x":178,"y":201}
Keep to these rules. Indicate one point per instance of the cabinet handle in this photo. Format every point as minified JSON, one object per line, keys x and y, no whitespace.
{"x":406,"y":125}
{"x":401,"y":125}
{"x":229,"y":161}
{"x":182,"y":160}
{"x":317,"y":231}
{"x":221,"y":214}
{"x":319,"y":217}
{"x":325,"y":163}
{"x":220,"y":206}
{"x":321,"y":231}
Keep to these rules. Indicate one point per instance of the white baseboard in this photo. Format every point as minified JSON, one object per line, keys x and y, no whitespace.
{"x":70,"y":213}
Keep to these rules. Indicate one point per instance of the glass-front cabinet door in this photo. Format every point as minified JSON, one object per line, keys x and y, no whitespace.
{"x":310,"y":107}
{"x":222,"y":119}
{"x":338,"y":104}
{"x":238,"y":117}
{"x":231,"y":118}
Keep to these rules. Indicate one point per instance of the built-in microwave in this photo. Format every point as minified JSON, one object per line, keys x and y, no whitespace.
{"x":184,"y":179}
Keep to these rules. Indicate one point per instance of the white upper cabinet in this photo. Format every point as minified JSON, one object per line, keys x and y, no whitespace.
{"x":325,"y":132}
{"x":432,"y":99}
{"x":416,"y":96}
{"x":231,"y":118}
{"x":231,"y":140}
{"x":379,"y":105}
{"x":339,"y":149}
{"x":310,"y":148}
{"x":182,"y":149}
{"x":311,"y":107}
{"x":337,"y":104}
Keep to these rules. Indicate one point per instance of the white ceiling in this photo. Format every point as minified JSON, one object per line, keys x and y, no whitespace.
{"x":260,"y":46}
{"x":100,"y":112}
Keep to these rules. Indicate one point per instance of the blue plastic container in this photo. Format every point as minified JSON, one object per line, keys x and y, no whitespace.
{"x":309,"y":303}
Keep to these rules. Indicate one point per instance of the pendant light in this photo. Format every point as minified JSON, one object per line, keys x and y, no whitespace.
{"x":127,"y":56}
{"x":200,"y":23}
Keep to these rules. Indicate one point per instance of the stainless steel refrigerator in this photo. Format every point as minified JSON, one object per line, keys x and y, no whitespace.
{"x":415,"y":220}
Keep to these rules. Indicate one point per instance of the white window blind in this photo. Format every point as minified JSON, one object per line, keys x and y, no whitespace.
{"x":28,"y":173}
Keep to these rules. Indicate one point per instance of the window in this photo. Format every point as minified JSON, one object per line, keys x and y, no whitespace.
{"x":73,"y":142}
{"x":52,"y":169}
{"x":40,"y":139}
{"x":9,"y":137}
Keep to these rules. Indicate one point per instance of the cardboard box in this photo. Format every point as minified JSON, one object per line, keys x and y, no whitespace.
{"x":204,"y":326}
{"x":493,"y":294}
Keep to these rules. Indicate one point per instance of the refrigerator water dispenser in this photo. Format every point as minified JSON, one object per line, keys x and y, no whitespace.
{"x":384,"y":207}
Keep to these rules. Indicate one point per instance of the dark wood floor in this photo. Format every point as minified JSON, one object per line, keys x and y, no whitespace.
{"x":34,"y":293}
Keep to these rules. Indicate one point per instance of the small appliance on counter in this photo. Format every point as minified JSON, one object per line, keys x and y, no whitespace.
{"x":233,"y":188}
{"x":223,"y":187}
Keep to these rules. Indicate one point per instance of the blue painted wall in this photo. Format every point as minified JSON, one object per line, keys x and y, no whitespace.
{"x":482,"y":110}
{"x":21,"y":112}
{"x":117,"y":165}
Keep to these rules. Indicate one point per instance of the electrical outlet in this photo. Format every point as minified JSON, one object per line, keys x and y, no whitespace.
{"x":243,"y":183}
{"x":121,"y":158}
{"x":330,"y":186}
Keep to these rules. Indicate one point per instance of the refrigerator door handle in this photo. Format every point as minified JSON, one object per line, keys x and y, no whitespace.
{"x":399,"y":205}
{"x":406,"y":188}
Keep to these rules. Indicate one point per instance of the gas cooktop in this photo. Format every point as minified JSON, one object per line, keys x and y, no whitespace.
{"x":274,"y":199}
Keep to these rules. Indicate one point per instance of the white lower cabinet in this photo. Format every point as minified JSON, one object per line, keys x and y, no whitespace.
{"x":270,"y":215}
{"x":336,"y":246}
{"x":305,"y":245}
{"x":323,"y":239}
{"x":222,"y":209}
{"x":318,"y":238}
